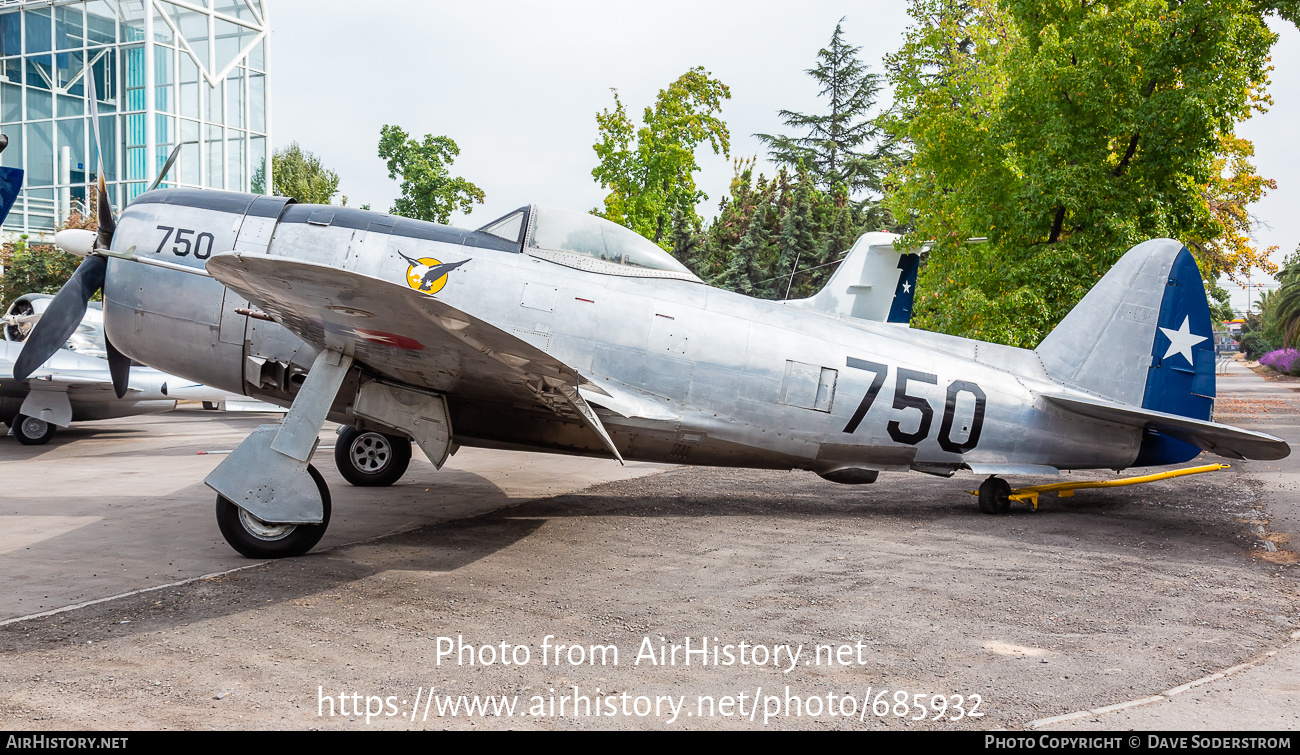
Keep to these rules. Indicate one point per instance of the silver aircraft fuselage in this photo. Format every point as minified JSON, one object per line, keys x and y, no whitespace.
{"x":715,"y":377}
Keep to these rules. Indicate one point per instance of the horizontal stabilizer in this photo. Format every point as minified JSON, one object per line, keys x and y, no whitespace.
{"x":1223,"y":440}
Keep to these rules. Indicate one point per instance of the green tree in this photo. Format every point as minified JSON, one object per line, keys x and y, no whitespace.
{"x":33,"y":269}
{"x":41,"y":268}
{"x":747,"y":271}
{"x":650,"y":171}
{"x":1280,"y":309}
{"x":1065,"y":133}
{"x":841,"y":148}
{"x":798,"y":241}
{"x":299,"y":174}
{"x":429,"y":192}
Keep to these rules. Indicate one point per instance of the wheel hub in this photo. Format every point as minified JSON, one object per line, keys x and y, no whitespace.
{"x":34,"y":428}
{"x":370,"y":453}
{"x":264,"y":530}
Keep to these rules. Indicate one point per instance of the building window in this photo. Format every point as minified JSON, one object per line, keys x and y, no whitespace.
{"x":206,"y":61}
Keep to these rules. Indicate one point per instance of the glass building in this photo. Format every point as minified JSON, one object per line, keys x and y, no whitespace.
{"x":165,"y":72}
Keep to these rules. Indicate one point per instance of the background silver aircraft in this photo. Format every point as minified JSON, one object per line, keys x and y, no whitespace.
{"x":560,"y":331}
{"x":75,"y":384}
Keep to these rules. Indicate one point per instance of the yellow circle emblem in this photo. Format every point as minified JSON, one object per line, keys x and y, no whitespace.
{"x":426,"y":275}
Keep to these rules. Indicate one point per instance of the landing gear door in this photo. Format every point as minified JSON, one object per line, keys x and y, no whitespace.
{"x":254,"y":238}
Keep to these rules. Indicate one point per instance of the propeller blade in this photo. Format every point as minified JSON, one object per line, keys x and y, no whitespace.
{"x":171,"y":160}
{"x":103,"y":210}
{"x":119,"y":366}
{"x":107,"y":225}
{"x":61,"y":318}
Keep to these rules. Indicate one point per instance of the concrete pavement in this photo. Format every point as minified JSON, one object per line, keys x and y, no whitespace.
{"x":1265,"y":696}
{"x":115,"y":506}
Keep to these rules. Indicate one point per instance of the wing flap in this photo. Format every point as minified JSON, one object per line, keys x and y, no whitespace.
{"x":1224,"y":440}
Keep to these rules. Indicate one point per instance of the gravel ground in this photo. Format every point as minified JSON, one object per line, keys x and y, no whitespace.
{"x":1107,"y":596}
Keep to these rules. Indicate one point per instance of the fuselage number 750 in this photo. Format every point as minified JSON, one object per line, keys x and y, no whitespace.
{"x":186,"y":242}
{"x":903,"y":400}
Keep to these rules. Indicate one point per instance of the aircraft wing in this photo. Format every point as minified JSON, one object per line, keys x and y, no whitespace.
{"x":406,"y":335}
{"x":80,"y":382}
{"x":1224,"y":440}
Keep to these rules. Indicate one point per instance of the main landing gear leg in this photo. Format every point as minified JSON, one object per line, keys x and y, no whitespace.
{"x":270,"y":502}
{"x":995,"y":496}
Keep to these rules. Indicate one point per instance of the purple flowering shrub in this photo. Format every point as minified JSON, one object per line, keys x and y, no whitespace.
{"x":1282,"y":360}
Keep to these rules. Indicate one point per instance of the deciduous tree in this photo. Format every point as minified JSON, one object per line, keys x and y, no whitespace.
{"x":299,"y":174}
{"x":1066,"y":133}
{"x":429,"y":192}
{"x":650,"y":171}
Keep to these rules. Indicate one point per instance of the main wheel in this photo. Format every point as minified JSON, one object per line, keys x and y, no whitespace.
{"x":31,"y":431}
{"x":995,"y":496}
{"x":371,"y":459}
{"x":258,"y":539}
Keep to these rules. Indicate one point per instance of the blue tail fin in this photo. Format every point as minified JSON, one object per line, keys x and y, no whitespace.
{"x":905,"y":291}
{"x":11,"y":182}
{"x":1181,"y":378}
{"x":1142,"y":336}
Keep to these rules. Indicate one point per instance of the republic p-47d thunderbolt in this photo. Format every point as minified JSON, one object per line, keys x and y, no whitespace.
{"x":560,"y":331}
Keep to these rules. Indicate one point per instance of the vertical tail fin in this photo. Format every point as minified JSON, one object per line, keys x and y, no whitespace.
{"x":1142,"y":336}
{"x":873,"y":282}
{"x":11,"y":182}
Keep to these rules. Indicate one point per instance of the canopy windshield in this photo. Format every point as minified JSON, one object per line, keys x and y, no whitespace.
{"x":599,"y":239}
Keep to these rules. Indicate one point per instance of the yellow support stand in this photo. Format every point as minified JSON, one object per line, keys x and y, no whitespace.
{"x":1066,"y":489}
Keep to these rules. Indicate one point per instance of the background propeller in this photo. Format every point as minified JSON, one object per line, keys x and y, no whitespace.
{"x":62,"y":317}
{"x":68,"y":307}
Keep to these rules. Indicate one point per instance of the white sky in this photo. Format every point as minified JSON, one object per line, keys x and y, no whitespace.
{"x":517,"y":85}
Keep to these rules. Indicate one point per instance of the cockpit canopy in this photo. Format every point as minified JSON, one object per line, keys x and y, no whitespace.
{"x":587,"y":242}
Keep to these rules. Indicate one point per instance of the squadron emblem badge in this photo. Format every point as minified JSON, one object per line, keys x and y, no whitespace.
{"x":427,"y":274}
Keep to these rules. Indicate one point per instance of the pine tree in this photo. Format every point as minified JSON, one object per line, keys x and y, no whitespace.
{"x":745,"y":263}
{"x":838,"y":146}
{"x":691,"y":246}
{"x":797,"y":241}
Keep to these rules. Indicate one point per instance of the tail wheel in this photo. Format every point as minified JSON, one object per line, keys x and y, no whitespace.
{"x":255,"y":538}
{"x":371,"y":459}
{"x":31,"y":431}
{"x":995,"y":496}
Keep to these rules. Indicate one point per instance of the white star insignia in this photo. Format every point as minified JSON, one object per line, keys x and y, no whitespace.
{"x":1182,"y":340}
{"x":368,"y":336}
{"x":907,"y":288}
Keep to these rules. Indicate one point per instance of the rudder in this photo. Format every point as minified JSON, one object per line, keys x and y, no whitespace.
{"x":1142,"y":336}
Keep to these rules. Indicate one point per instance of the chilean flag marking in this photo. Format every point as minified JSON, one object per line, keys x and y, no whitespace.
{"x":374,"y":336}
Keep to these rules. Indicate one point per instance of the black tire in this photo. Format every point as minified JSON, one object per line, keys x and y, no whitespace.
{"x":31,"y":431}
{"x":257,"y":539}
{"x":371,"y":459}
{"x":210,"y":406}
{"x":995,"y":496}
